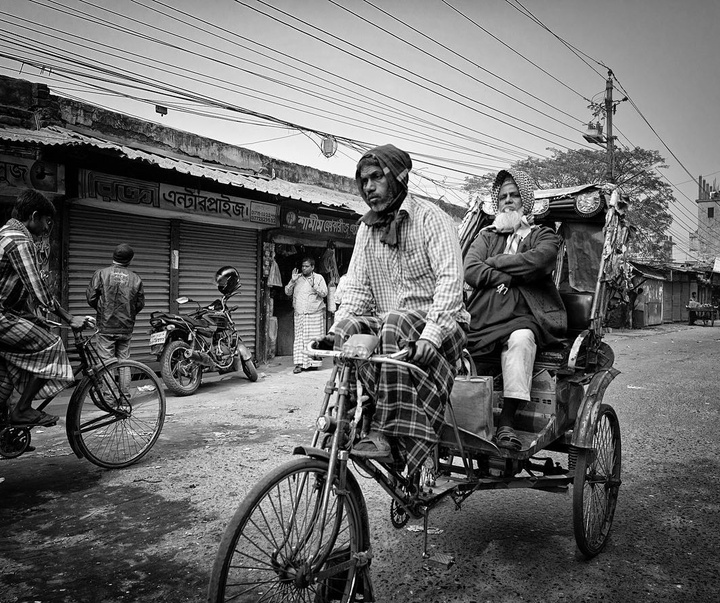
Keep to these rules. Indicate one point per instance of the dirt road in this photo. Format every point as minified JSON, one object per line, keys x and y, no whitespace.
{"x":73,"y":533}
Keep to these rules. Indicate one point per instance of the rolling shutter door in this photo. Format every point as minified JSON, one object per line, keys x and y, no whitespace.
{"x":204,"y":248}
{"x":93,"y":236}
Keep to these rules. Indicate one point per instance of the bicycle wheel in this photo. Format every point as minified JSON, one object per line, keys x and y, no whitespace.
{"x":276,"y":541}
{"x":597,"y":484}
{"x":117,"y":415}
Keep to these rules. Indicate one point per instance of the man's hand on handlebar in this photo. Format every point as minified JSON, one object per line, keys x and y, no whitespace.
{"x":326,"y":342}
{"x":423,"y":353}
{"x":77,"y":323}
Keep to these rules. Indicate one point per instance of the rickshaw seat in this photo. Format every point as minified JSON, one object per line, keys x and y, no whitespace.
{"x":578,"y":307}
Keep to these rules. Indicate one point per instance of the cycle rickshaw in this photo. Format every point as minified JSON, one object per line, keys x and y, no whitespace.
{"x":302,"y":533}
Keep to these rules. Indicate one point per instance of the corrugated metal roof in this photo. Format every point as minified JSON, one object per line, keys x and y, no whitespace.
{"x":57,"y":136}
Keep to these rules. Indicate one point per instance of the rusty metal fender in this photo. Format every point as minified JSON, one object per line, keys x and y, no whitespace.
{"x":312,"y":452}
{"x":583,"y":430}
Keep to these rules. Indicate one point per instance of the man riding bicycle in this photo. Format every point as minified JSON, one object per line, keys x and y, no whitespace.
{"x":33,"y":360}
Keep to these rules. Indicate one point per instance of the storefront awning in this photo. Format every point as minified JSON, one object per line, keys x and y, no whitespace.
{"x":58,"y":136}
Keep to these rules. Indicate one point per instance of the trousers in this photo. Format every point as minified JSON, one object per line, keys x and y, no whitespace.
{"x":516,"y":359}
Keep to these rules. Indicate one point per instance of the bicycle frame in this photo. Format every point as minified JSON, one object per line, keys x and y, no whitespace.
{"x":409,"y":495}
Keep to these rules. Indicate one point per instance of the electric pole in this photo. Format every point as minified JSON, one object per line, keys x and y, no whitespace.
{"x":610,"y":139}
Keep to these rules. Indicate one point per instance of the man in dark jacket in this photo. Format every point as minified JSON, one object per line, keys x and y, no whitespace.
{"x":117,"y":295}
{"x":514,"y":304}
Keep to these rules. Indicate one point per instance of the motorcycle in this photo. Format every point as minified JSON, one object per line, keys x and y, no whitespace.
{"x":188,"y":345}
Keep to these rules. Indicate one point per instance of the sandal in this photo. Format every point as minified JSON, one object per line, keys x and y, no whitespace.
{"x":506,"y":438}
{"x":40,"y":418}
{"x":373,"y":446}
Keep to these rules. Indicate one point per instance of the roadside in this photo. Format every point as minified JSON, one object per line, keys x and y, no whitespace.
{"x":72,"y":532}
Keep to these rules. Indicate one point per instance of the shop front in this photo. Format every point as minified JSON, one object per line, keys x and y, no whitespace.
{"x":326,"y":237}
{"x":181,"y":237}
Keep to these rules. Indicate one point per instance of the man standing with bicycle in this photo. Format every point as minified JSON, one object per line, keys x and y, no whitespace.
{"x":405,"y":284}
{"x":33,"y":360}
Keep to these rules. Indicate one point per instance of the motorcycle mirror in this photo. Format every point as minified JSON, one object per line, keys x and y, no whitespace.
{"x":182,"y":300}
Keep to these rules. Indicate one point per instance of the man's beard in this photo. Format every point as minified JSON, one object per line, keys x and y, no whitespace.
{"x":507,"y":221}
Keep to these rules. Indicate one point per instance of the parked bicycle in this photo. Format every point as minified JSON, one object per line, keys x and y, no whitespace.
{"x":115,"y":413}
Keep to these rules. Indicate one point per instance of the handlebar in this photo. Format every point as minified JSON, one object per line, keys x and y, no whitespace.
{"x":396,"y":358}
{"x":89,"y":322}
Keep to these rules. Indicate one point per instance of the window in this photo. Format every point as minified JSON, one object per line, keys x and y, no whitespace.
{"x":711,"y":212}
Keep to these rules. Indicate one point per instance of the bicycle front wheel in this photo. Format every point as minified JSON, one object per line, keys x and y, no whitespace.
{"x":279,"y":540}
{"x":117,"y":416}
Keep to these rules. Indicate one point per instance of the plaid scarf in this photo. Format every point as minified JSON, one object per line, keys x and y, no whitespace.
{"x":525,"y":186}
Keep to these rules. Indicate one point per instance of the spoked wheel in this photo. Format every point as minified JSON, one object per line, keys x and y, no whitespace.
{"x":278,"y":540}
{"x":597,"y":483}
{"x":117,"y":417}
{"x":14,"y":441}
{"x":181,"y":375}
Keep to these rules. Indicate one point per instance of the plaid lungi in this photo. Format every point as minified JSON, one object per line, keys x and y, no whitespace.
{"x":28,"y":350}
{"x":408,"y":406}
{"x":307,"y":328}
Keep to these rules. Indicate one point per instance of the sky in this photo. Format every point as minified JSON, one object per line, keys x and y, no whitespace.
{"x":465,"y":86}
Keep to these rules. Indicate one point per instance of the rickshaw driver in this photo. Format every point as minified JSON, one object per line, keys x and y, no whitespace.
{"x":514,"y":304}
{"x":404,"y":283}
{"x":32,"y":359}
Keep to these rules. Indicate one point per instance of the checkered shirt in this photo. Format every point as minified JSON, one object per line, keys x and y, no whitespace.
{"x":424,"y":272}
{"x":19,"y":272}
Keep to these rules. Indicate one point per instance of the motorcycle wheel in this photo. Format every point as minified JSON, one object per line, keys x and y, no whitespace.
{"x":181,"y":375}
{"x":250,"y":370}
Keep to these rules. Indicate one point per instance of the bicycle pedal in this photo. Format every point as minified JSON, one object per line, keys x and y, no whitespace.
{"x":442,"y":560}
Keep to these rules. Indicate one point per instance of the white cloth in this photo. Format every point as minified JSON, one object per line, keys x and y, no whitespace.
{"x":516,"y":359}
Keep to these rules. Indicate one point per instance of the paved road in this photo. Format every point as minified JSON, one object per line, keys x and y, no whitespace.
{"x":71,"y":532}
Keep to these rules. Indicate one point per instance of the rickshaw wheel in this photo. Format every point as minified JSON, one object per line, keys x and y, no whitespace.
{"x":278,"y":539}
{"x":597,"y":483}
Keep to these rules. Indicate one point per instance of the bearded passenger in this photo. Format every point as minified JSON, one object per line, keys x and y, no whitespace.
{"x":514,"y":305}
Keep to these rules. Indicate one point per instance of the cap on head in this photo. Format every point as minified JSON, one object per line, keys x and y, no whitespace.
{"x":525,"y":186}
{"x":123,"y":254}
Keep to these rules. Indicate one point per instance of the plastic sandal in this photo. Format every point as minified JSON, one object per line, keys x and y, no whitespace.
{"x":506,"y":438}
{"x":41,"y":419}
{"x":374,"y":446}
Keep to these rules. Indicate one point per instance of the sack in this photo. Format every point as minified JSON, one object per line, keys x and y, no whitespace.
{"x":471,"y":401}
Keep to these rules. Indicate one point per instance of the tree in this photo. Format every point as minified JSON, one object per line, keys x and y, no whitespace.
{"x":649,"y":195}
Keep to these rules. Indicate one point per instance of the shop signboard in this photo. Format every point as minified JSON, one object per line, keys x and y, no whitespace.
{"x":19,"y":173}
{"x":118,"y":189}
{"x":318,"y":224}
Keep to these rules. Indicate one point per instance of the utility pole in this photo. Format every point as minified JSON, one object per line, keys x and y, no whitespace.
{"x":610,"y":139}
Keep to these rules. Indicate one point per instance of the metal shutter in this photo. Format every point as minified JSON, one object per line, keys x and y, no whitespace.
{"x":204,"y":248}
{"x":93,"y":236}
